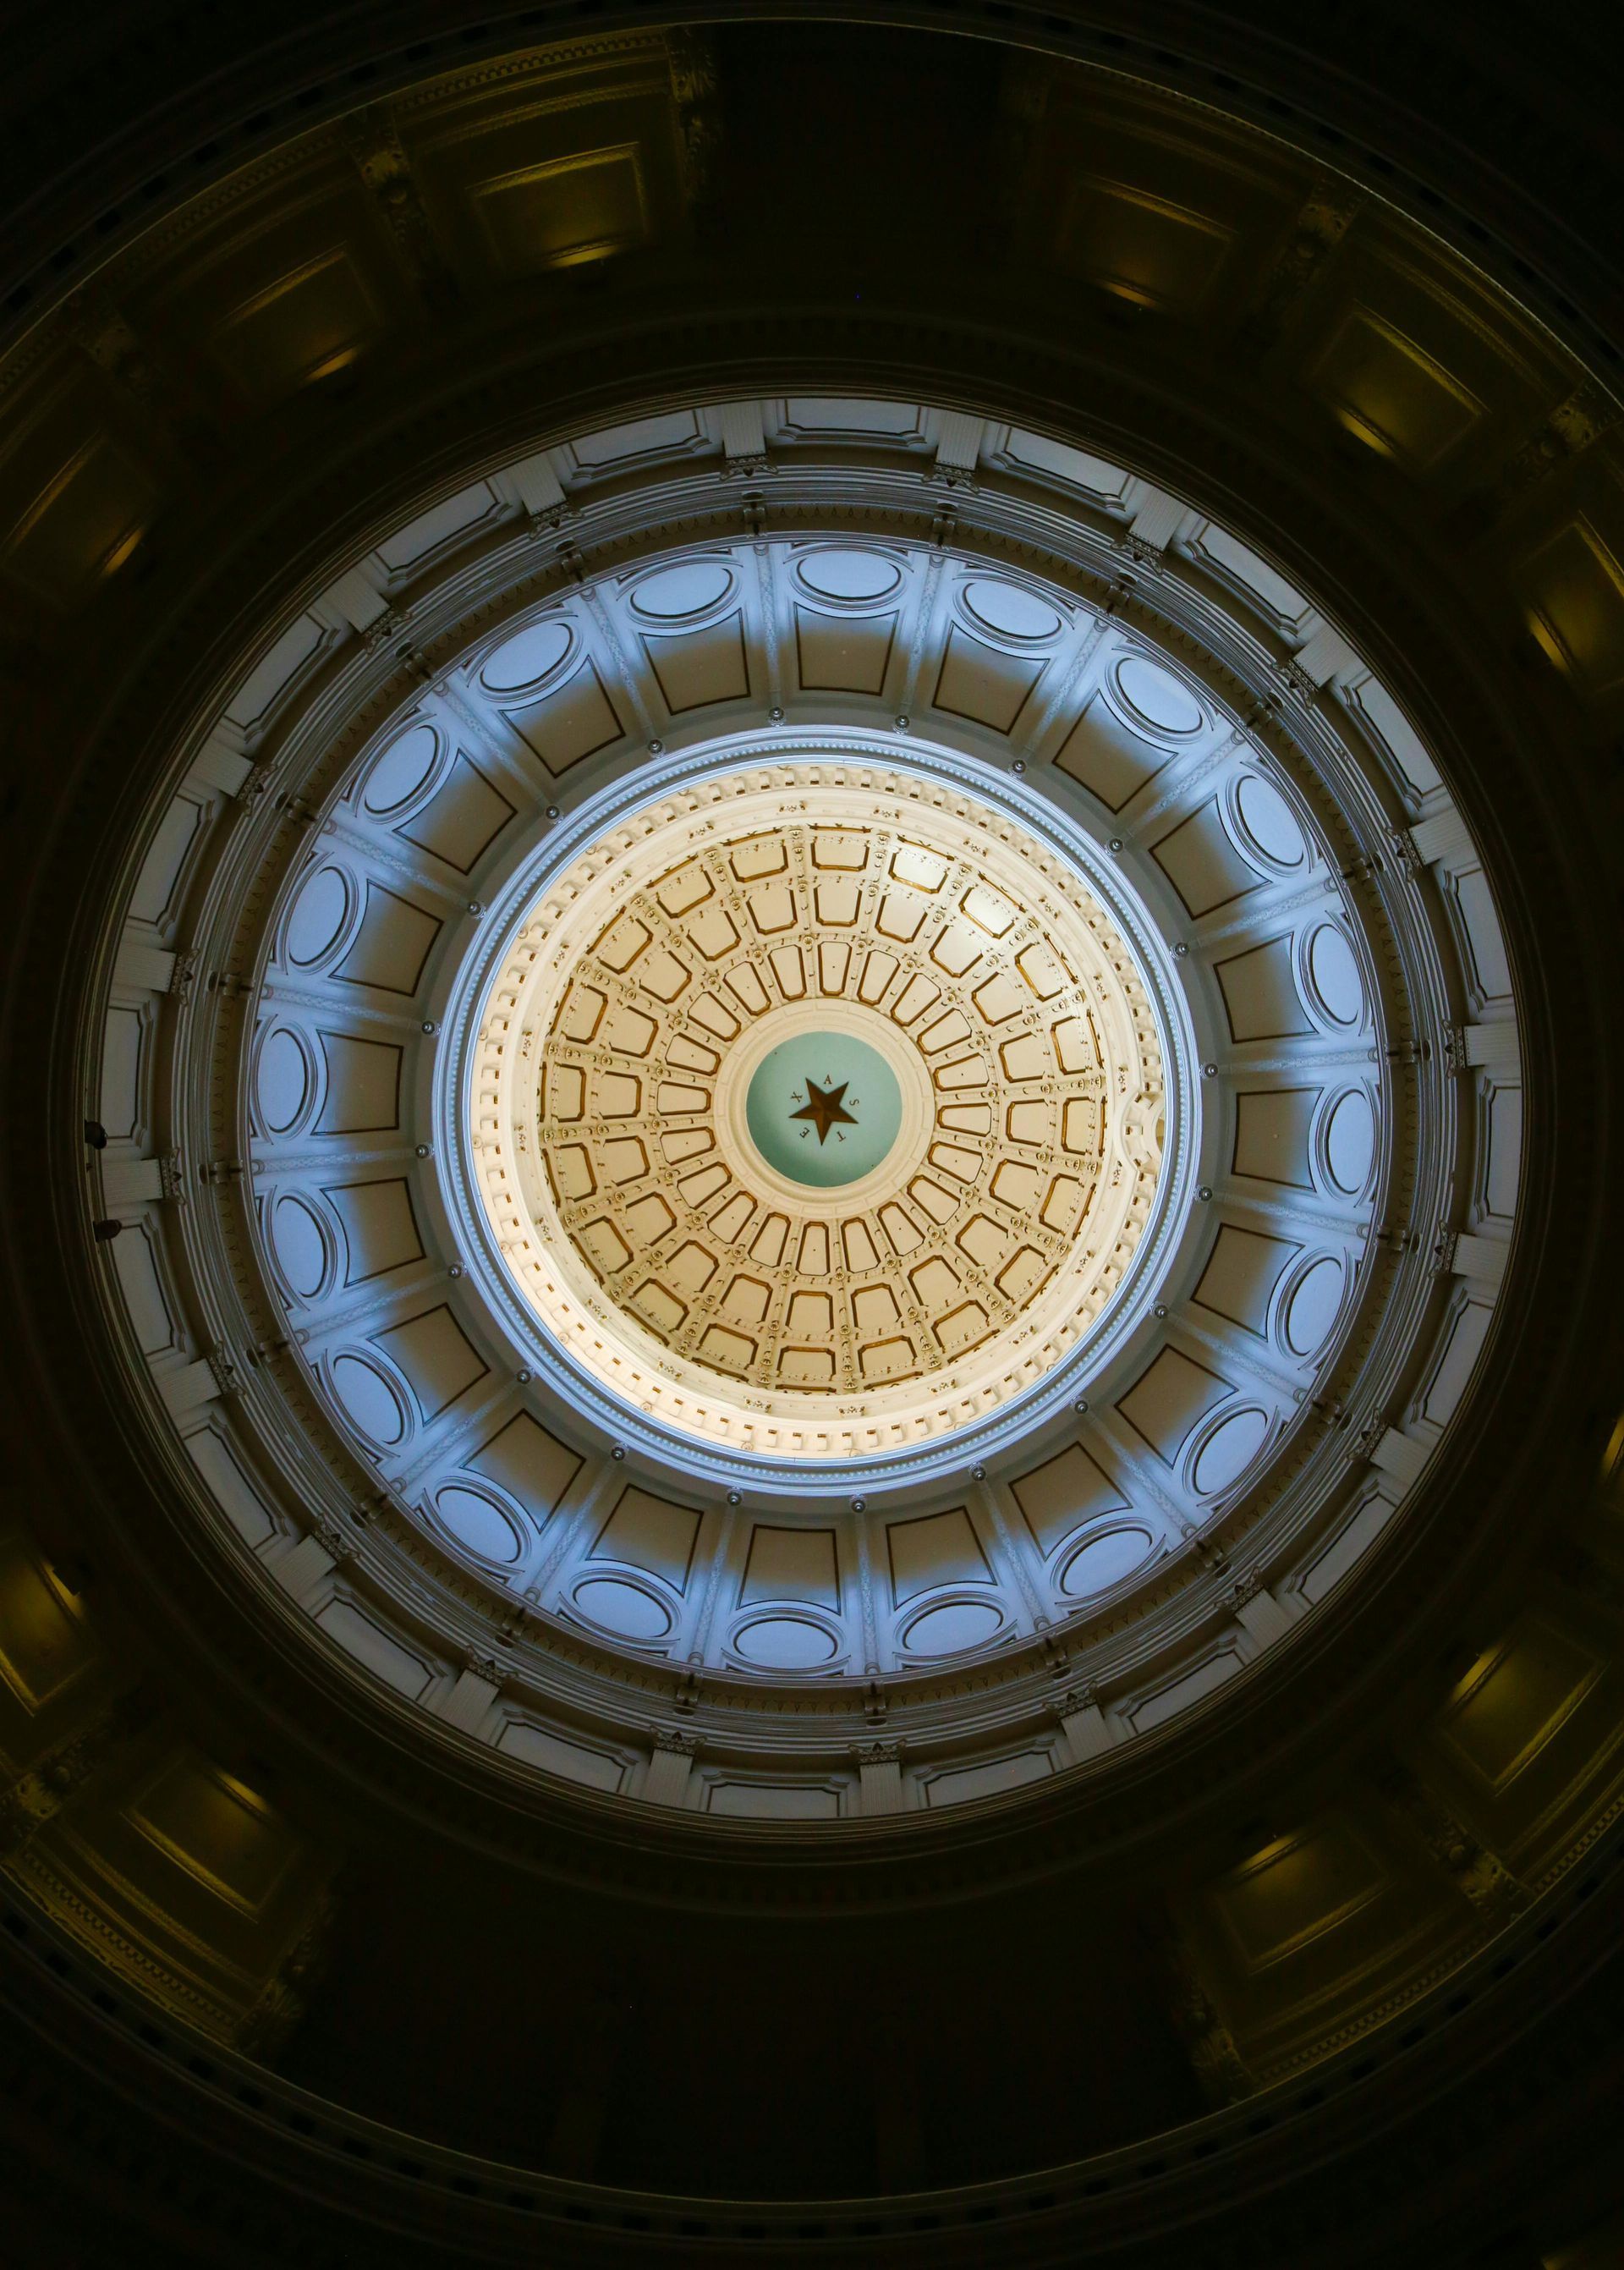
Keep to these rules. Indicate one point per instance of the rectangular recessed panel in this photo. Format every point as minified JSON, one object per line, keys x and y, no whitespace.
{"x":81,"y":522}
{"x":462,"y":819}
{"x":1452,"y":1367}
{"x":759,"y":1801}
{"x":1168,"y":1399}
{"x":1179,"y":1694}
{"x":314,"y":319}
{"x":1143,"y":247}
{"x":1242,"y":1273}
{"x":1501,"y":1111}
{"x":44,"y":1645}
{"x":574,"y":1761}
{"x":532,"y":1466}
{"x":392,"y":945}
{"x":651,"y":1533}
{"x":1260,"y":993}
{"x":439,"y":528}
{"x":363,"y":1086}
{"x":1484,"y":953}
{"x":791,"y":1564}
{"x":1295,"y":1892}
{"x":153,"y":899}
{"x":957,"y":1786}
{"x":574,"y":722}
{"x":844,"y":653}
{"x":678,"y":430}
{"x":1391,"y":393}
{"x":983,"y":683}
{"x":940,"y":1548}
{"x":135,"y":1260}
{"x":1511,"y":1706}
{"x":563,"y":211}
{"x":1201,"y":864}
{"x":1064,"y":1492}
{"x":694,"y":668}
{"x":1109,"y":760}
{"x":1272,"y":1135}
{"x":222,"y":1833}
{"x":437,"y":1357}
{"x":1066,"y":467}
{"x":359,"y":1636}
{"x":1576,"y":583}
{"x":215,"y":1462}
{"x":380,"y":1227}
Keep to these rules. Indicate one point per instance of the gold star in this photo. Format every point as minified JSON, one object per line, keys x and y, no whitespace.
{"x":824,"y":1109}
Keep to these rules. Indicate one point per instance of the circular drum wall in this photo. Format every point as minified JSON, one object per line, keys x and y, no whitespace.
{"x":1166,"y":1378}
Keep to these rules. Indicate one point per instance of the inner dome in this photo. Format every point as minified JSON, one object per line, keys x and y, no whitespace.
{"x":836,"y":1109}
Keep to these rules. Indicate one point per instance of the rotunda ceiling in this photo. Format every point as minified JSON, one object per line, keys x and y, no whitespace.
{"x":828,"y":1107}
{"x":817,"y":1107}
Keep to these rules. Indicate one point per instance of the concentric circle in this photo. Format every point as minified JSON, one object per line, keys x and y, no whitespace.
{"x":661,"y":1156}
{"x":818,"y":1086}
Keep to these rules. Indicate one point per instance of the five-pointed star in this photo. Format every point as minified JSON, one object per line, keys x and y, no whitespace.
{"x":825,"y":1109}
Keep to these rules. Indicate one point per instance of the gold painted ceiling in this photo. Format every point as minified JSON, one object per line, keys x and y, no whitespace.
{"x":674,"y":1258}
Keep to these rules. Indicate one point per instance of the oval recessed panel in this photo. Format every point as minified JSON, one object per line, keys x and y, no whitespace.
{"x":1009,"y":611}
{"x":1157,"y":698}
{"x":693,"y":589}
{"x":624,"y":1609}
{"x":371,"y":1402}
{"x":284,"y":1082}
{"x":479,"y":1526}
{"x":1228,"y":1450}
{"x":1269,"y":823}
{"x":1350,"y":1142}
{"x":1311,"y":1311}
{"x":1334,"y":974}
{"x":526,"y":660}
{"x":1105,"y":1561}
{"x":319,"y":915}
{"x":952,"y":1629}
{"x":402,"y":772}
{"x":785,"y":1644}
{"x":300,"y":1248}
{"x":848,"y":576}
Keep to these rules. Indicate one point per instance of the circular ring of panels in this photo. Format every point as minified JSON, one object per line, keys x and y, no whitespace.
{"x":653,"y":1106}
{"x":1133,"y":874}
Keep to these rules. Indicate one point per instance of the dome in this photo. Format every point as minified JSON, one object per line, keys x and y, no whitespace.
{"x":810,"y":1235}
{"x":1110,"y":935}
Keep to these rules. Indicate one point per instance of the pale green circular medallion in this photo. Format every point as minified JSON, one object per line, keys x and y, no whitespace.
{"x":823,"y":1109}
